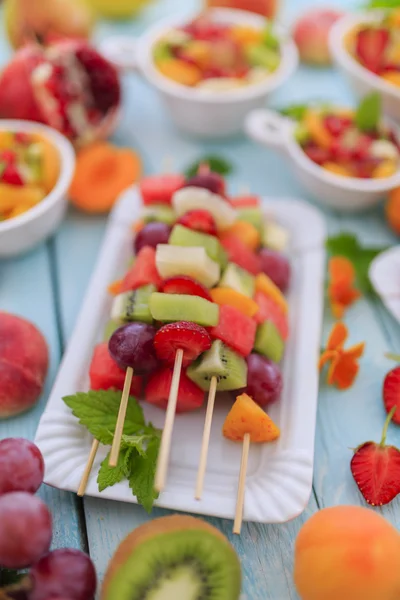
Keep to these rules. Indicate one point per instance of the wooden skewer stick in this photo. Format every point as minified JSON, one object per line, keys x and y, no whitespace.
{"x":165,"y":447}
{"x":88,"y":468}
{"x":206,"y":438}
{"x":119,"y":429}
{"x":237,"y":526}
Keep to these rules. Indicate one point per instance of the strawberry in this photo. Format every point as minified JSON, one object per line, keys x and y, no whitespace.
{"x":336,"y":124}
{"x":370,"y":47}
{"x":8,"y":156}
{"x":183,"y":335}
{"x":317,"y":154}
{"x":190,"y":396}
{"x":376,"y":469}
{"x":199,"y":220}
{"x":11,"y":176}
{"x":185,"y":285}
{"x":391,"y":393}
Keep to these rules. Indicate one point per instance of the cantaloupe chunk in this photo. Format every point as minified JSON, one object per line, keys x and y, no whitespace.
{"x":248,"y":234}
{"x":11,"y":196}
{"x":180,"y":72}
{"x":265,"y":285}
{"x":229,"y":297}
{"x":317,"y":130}
{"x":246,"y":416}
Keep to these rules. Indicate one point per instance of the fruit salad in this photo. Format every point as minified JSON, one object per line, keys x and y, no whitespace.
{"x":350,"y":143}
{"x":218,"y":57}
{"x":376,"y":46}
{"x":29,"y":170}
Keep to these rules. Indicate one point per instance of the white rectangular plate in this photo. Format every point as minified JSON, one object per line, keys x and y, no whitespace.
{"x":280,"y":474}
{"x":384,"y":273}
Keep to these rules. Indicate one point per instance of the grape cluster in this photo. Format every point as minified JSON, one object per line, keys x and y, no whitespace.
{"x":26,"y":531}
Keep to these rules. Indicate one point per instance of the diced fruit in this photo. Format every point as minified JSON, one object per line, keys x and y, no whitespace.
{"x":276,"y":266}
{"x":109,"y":329}
{"x":252,"y":215}
{"x":247,"y":233}
{"x":386,"y":168}
{"x":143,"y":272}
{"x":185,"y":285}
{"x":259,"y":55}
{"x":371,"y":44}
{"x":337,"y":169}
{"x":133,"y":306}
{"x":133,"y":346}
{"x":194,"y":198}
{"x":11,"y":196}
{"x":208,"y":180}
{"x":159,"y":189}
{"x":268,"y":342}
{"x":152,"y":234}
{"x":221,"y":362}
{"x":228,"y":297}
{"x":105,"y":374}
{"x":182,"y":335}
{"x":269,"y":310}
{"x":194,"y":262}
{"x":245,"y":202}
{"x":180,"y":71}
{"x":235,"y":329}
{"x":21,"y":466}
{"x":317,"y":129}
{"x":199,"y":220}
{"x":240,"y":254}
{"x":266,"y":286}
{"x":246,"y":416}
{"x":337,"y":124}
{"x":275,"y":237}
{"x":264,"y":380}
{"x":49,"y":161}
{"x":391,"y":393}
{"x":159,"y":213}
{"x":311,"y":34}
{"x":180,"y":307}
{"x":238,"y":279}
{"x":182,"y":236}
{"x":392,"y":77}
{"x":190,"y":396}
{"x":11,"y":175}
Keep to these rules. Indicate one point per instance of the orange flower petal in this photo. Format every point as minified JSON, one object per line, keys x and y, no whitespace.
{"x":337,"y":309}
{"x":345,"y":372}
{"x":325,"y":357}
{"x":356,"y":351}
{"x":330,"y":378}
{"x":341,"y":269}
{"x":337,"y":336}
{"x":115,"y":287}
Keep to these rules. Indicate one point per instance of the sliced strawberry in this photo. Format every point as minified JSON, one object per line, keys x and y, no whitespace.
{"x":240,"y":254}
{"x":317,"y":154}
{"x":11,"y":176}
{"x":159,"y":189}
{"x":391,"y":393}
{"x":190,"y":396}
{"x":336,"y":125}
{"x":376,"y":470}
{"x":185,"y":285}
{"x":245,"y":202}
{"x":183,"y":335}
{"x":371,"y":45}
{"x":8,"y":156}
{"x":199,"y":220}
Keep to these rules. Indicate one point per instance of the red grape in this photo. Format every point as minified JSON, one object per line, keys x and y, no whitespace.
{"x":21,"y":466}
{"x":133,"y":346}
{"x":64,"y":573}
{"x":25,"y":530}
{"x":264,"y":380}
{"x":152,"y":234}
{"x":277,"y":267}
{"x":210,"y":181}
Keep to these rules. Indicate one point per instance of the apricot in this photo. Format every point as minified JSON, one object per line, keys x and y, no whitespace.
{"x":347,"y":553}
{"x":311,"y":34}
{"x":392,"y":210}
{"x":24,"y":362}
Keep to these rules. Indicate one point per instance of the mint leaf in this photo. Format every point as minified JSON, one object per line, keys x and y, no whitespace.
{"x":138,"y":442}
{"x":98,"y":412}
{"x":369,"y":112}
{"x":382,"y":4}
{"x":270,"y":39}
{"x":217,"y":164}
{"x":143,"y":470}
{"x":296,"y":112}
{"x":109,"y":476}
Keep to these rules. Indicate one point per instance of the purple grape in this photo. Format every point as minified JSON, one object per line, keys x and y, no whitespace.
{"x":133,"y":346}
{"x":21,"y":466}
{"x":210,"y":181}
{"x":277,"y":267}
{"x":264,"y":380}
{"x":25,"y":530}
{"x":152,"y":234}
{"x":64,"y":573}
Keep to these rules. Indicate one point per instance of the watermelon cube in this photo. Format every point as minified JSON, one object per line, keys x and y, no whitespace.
{"x":143,"y":271}
{"x":240,"y":254}
{"x":235,"y":329}
{"x":105,"y":374}
{"x":245,"y":202}
{"x":269,"y":310}
{"x":159,"y":189}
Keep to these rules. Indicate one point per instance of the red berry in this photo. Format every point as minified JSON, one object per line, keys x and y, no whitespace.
{"x":391,"y":393}
{"x":21,"y":466}
{"x":317,"y":154}
{"x":264,"y":380}
{"x":371,"y":44}
{"x":185,"y":285}
{"x":189,"y":337}
{"x":8,"y":156}
{"x":11,"y":176}
{"x":190,"y":396}
{"x":336,"y":125}
{"x":199,"y":220}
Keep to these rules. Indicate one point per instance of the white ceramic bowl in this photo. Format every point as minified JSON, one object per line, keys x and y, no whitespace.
{"x":349,"y":194}
{"x":22,"y":233}
{"x":360,"y":79}
{"x":201,"y":112}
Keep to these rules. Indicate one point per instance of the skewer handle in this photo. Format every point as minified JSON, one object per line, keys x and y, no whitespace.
{"x":237,"y":526}
{"x":165,"y":448}
{"x":119,"y":429}
{"x":206,"y":438}
{"x":88,"y":468}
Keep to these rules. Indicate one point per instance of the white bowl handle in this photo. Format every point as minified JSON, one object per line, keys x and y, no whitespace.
{"x":268,"y":128}
{"x":121,"y":52}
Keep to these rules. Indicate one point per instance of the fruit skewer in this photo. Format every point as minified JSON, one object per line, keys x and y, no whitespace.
{"x":237,"y":524}
{"x":206,"y":438}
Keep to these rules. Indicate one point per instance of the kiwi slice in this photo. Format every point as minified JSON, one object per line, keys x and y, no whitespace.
{"x":269,"y":342}
{"x":133,"y":306}
{"x":183,"y":236}
{"x":182,"y":307}
{"x":173,"y":558}
{"x":221,"y":362}
{"x":238,"y":279}
{"x":160,"y":213}
{"x":260,"y":56}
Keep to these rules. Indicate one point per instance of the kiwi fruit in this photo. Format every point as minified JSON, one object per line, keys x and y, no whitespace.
{"x":269,"y":342}
{"x":182,"y":307}
{"x":133,"y":306}
{"x":238,"y":279}
{"x":183,"y":236}
{"x":158,"y":212}
{"x":173,"y":558}
{"x":221,"y":362}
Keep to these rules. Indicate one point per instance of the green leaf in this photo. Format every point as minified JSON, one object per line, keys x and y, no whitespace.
{"x":270,"y":39}
{"x":138,"y":442}
{"x":369,"y":112}
{"x":217,"y":164}
{"x":143,"y":470}
{"x":295,"y":111}
{"x":98,"y":412}
{"x":382,"y":4}
{"x":109,"y":476}
{"x":347,"y":244}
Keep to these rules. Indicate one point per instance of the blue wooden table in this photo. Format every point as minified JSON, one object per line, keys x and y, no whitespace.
{"x":47,"y":286}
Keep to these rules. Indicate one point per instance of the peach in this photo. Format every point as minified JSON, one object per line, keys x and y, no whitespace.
{"x":311,"y":33}
{"x":267,"y":8}
{"x":24,"y":362}
{"x":392,"y":210}
{"x":347,"y":553}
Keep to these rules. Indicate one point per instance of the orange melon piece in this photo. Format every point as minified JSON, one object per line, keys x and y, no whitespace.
{"x":246,"y":416}
{"x":247,"y":233}
{"x":337,"y":169}
{"x":266,"y":286}
{"x":392,"y":77}
{"x":179,"y":71}
{"x":50,"y":163}
{"x":12,"y":196}
{"x":229,"y":297}
{"x":317,"y":129}
{"x":387,"y":168}
{"x":245,"y":35}
{"x":6,"y":140}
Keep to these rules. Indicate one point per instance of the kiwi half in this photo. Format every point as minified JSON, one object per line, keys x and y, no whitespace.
{"x":174,"y":558}
{"x":221,"y":362}
{"x":183,"y":236}
{"x":133,"y":306}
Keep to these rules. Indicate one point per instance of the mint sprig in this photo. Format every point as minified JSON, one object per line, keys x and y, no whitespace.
{"x":369,"y":112}
{"x":217,"y":164}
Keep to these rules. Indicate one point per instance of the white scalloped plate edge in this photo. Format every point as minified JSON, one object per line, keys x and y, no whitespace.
{"x":384,"y":273}
{"x":279,"y":478}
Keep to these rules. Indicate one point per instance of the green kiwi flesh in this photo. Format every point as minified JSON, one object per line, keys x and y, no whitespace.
{"x":269,"y":342}
{"x":182,"y":307}
{"x":221,"y":362}
{"x":238,"y":279}
{"x":160,"y":213}
{"x":133,"y":306}
{"x":183,"y":236}
{"x":109,"y":329}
